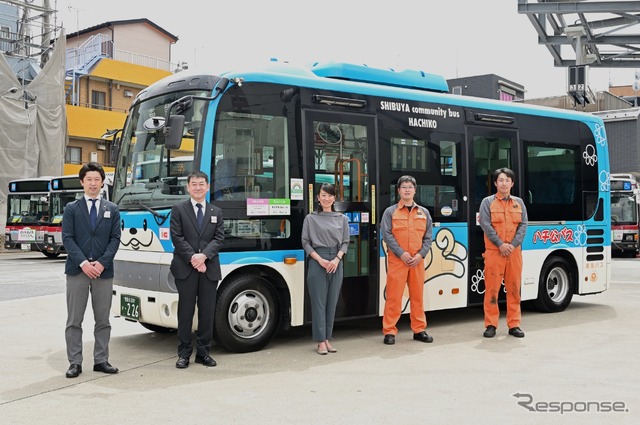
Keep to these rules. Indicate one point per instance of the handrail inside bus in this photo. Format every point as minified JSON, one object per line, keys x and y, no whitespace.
{"x":339,"y":166}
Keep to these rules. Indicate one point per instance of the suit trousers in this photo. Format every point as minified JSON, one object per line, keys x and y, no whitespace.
{"x":324,"y":291}
{"x":78,"y":289}
{"x":198,"y":290}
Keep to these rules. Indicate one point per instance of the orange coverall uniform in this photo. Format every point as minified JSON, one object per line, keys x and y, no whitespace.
{"x":502,"y":220}
{"x":410,"y":231}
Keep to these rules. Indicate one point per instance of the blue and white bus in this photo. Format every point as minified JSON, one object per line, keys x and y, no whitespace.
{"x":268,"y":138}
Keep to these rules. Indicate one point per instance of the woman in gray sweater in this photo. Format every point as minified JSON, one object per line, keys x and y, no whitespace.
{"x":325,"y":239}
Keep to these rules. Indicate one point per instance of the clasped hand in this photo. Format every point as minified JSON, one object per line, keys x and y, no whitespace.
{"x":197,"y":262}
{"x":506,"y":249}
{"x":93,"y":269}
{"x":330,"y":265}
{"x":411,"y":261}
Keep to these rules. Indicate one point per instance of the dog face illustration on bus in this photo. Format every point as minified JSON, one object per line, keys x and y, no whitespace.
{"x":140,"y":238}
{"x":445,"y":262}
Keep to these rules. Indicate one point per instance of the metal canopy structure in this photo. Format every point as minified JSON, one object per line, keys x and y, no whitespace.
{"x":603,"y":34}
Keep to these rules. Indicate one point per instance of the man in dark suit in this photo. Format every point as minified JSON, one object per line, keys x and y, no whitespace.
{"x":91,"y":236}
{"x":197,"y":233}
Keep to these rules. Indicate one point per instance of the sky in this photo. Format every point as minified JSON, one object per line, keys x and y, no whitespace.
{"x":452,"y":38}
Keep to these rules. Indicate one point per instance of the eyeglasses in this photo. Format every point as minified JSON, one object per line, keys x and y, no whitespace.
{"x":407,"y":187}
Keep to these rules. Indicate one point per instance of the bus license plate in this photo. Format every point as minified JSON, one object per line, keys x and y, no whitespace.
{"x":130,"y":307}
{"x":25,"y":246}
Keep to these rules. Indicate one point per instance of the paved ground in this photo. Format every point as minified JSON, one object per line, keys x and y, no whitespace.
{"x":582,"y":359}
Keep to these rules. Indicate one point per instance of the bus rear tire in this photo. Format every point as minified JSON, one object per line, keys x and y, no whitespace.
{"x":51,"y":254}
{"x":555,"y":289}
{"x":156,"y":328}
{"x":246,"y":316}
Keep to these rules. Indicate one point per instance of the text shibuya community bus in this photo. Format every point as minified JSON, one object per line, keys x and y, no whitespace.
{"x":269,"y":138}
{"x":27,"y":214}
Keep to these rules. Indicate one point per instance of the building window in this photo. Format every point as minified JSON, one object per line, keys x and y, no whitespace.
{"x":456,"y":90}
{"x":73,"y":155}
{"x":5,"y":43}
{"x":507,"y":96}
{"x":98,"y":99}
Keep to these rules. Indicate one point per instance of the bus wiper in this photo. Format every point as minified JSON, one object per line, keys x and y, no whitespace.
{"x":160,"y":218}
{"x":127,"y":194}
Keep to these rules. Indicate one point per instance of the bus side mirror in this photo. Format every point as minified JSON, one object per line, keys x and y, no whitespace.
{"x":173,"y":132}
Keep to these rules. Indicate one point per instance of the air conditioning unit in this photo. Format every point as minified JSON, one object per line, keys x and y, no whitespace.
{"x":128,"y":93}
{"x":101,"y":146}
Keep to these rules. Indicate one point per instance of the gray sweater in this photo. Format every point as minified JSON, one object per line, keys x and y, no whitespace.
{"x":325,"y":229}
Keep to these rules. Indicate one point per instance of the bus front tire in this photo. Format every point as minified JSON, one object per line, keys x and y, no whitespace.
{"x":246,"y":315}
{"x":555,"y":288}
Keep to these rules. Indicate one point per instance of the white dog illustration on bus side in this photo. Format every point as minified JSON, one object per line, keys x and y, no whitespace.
{"x":446,"y":257}
{"x":136,"y":238}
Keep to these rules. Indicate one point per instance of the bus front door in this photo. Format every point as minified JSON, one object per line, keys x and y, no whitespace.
{"x":340,"y":149}
{"x":489,"y":149}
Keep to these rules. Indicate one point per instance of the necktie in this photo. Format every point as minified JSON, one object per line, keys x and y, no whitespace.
{"x":93,"y":214}
{"x":200,"y":215}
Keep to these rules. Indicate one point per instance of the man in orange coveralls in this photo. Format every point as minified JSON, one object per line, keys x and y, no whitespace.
{"x":406,"y":229}
{"x":503,"y":219}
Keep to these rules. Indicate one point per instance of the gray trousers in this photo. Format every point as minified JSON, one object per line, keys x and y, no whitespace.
{"x":78,"y":289}
{"x":324,"y":291}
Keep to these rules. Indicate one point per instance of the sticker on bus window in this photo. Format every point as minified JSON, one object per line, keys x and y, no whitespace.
{"x":446,"y":211}
{"x":297,"y":193}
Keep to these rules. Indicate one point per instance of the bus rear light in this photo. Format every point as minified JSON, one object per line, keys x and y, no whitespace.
{"x":455,"y":291}
{"x":290,"y":260}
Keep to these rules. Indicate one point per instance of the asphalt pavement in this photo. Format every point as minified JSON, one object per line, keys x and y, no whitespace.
{"x":574,"y":367}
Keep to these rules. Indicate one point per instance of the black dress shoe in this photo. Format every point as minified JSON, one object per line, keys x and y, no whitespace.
{"x":182,"y":363}
{"x":490,"y":332}
{"x":74,"y":371}
{"x":206,"y":360}
{"x":517,"y":332}
{"x":423,"y":337}
{"x":389,"y":339}
{"x":104,"y":367}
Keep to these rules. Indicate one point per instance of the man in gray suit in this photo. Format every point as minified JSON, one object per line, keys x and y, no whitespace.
{"x":196,"y":232}
{"x":91,"y":236}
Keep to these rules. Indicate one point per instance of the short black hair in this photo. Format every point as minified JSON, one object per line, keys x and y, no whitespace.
{"x":508,"y":171}
{"x":197,"y":175}
{"x":91,"y":166}
{"x":406,"y":179}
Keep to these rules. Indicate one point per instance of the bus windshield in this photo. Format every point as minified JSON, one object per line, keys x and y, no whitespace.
{"x":623,"y":209}
{"x":28,"y":209}
{"x":59,"y":200}
{"x":148,"y":174}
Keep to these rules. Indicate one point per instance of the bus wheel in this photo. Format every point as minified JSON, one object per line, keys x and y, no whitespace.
{"x":246,"y":314}
{"x":51,"y":254}
{"x":556,"y":285}
{"x":156,"y":328}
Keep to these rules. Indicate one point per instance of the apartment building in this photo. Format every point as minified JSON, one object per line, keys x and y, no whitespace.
{"x":107,"y":65}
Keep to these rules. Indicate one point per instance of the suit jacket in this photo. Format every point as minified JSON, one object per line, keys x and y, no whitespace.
{"x":79,"y":239}
{"x":188,"y":239}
